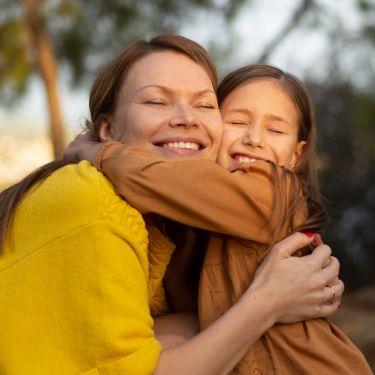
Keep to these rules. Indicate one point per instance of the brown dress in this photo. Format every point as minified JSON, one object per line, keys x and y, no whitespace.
{"x":239,"y":210}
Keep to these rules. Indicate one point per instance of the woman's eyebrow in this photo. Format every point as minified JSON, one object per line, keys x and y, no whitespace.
{"x":168,"y":90}
{"x":206,"y":91}
{"x":160,"y":87}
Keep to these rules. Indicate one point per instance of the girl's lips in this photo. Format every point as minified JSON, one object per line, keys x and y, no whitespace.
{"x":246,"y":156}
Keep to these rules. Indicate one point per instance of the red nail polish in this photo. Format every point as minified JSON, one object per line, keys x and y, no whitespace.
{"x":339,"y":305}
{"x":309,"y":234}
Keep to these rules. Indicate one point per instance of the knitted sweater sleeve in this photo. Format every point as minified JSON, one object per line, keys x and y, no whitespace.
{"x":78,"y":302}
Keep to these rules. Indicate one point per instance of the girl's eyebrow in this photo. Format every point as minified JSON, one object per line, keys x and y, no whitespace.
{"x":278,"y":118}
{"x":241,"y":110}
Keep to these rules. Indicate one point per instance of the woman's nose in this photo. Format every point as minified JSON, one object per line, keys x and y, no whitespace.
{"x":184,"y":117}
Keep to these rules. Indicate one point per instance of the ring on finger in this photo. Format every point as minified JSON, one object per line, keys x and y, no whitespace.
{"x":333,"y":294}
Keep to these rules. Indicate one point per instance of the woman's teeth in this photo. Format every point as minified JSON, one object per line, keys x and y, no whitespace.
{"x":185,"y":145}
{"x":244,"y":159}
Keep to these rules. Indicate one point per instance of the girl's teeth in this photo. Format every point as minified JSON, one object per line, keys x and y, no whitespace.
{"x":244,"y":159}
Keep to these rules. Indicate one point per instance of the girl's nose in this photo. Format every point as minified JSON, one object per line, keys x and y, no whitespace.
{"x":253,"y":136}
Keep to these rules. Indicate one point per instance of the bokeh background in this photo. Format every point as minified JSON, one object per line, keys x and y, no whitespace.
{"x":50,"y":51}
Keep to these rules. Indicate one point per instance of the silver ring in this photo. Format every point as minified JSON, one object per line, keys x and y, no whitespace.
{"x":333,"y":294}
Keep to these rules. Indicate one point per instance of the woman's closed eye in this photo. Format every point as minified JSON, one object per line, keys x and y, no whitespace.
{"x":205,"y":105}
{"x":155,"y":102}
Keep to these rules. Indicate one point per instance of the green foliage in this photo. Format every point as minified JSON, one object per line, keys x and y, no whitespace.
{"x":15,"y":60}
{"x":346,"y":130}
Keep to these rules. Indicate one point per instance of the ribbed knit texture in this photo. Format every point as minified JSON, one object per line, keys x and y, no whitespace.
{"x":74,"y":282}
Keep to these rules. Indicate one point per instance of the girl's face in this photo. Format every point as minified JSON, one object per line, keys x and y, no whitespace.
{"x":168,"y":105}
{"x":260,"y":122}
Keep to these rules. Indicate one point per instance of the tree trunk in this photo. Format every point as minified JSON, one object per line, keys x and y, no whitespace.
{"x":48,"y":69}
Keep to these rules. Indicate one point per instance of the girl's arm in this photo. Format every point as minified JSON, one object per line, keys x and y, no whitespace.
{"x":197,"y":193}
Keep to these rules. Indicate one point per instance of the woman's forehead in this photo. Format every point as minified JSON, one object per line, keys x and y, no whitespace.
{"x":170,"y":69}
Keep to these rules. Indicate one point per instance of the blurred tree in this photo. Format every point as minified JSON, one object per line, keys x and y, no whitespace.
{"x":346,"y":145}
{"x":48,"y":68}
{"x":40,"y":37}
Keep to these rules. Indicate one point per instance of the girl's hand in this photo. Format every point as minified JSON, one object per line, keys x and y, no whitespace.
{"x":297,"y":286}
{"x":82,"y":148}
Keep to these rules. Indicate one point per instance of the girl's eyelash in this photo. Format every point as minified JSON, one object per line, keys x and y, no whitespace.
{"x":276,"y":131}
{"x":236,"y":123}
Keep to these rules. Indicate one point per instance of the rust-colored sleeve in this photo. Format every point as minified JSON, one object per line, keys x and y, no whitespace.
{"x":198,"y":193}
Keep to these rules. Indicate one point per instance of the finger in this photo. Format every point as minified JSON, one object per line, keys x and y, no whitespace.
{"x":291,"y":244}
{"x":339,"y":289}
{"x":320,"y":256}
{"x":317,"y":240}
{"x":333,"y":271}
{"x":327,"y":262}
{"x":325,"y":311}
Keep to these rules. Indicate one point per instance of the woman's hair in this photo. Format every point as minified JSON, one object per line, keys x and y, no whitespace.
{"x":103,"y":100}
{"x":304,"y":173}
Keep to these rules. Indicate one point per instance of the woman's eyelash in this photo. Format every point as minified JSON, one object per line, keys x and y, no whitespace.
{"x":160,"y":102}
{"x":205,"y":105}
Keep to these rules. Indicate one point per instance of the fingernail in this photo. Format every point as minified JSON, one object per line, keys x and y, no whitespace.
{"x":339,"y":306}
{"x":309,"y":234}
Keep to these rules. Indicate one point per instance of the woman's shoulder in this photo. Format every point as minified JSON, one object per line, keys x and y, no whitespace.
{"x":72,"y":197}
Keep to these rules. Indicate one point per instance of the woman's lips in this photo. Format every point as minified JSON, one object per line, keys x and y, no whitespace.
{"x":179,"y":145}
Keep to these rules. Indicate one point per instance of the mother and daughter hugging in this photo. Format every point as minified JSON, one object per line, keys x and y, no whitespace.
{"x":179,"y":234}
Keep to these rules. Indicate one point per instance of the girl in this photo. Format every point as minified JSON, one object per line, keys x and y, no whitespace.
{"x":269,"y":133}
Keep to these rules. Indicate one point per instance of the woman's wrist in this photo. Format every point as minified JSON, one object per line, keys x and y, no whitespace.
{"x":264,"y":302}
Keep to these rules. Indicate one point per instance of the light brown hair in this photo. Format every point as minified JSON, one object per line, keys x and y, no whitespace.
{"x":103,"y":99}
{"x":304,"y":173}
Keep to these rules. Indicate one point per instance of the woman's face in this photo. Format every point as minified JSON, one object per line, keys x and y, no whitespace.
{"x":260,"y":122}
{"x":168,"y":105}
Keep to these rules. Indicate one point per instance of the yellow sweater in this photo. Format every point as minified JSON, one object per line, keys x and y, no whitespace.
{"x":74,"y":282}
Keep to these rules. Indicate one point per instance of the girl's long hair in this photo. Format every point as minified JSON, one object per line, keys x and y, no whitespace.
{"x":303,"y":179}
{"x":103,"y":99}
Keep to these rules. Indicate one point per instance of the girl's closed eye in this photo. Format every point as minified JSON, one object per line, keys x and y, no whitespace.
{"x":277,"y":131}
{"x":236,"y":122}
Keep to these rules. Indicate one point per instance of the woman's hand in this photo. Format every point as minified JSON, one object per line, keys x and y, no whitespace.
{"x":297,"y":286}
{"x":82,"y":148}
{"x":175,"y":329}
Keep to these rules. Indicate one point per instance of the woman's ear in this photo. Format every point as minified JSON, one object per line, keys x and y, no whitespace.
{"x":105,"y":130}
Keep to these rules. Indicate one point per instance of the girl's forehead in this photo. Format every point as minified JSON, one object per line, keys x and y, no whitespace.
{"x":261,"y":97}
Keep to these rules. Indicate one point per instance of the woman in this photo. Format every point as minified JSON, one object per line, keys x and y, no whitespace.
{"x":74,"y":277}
